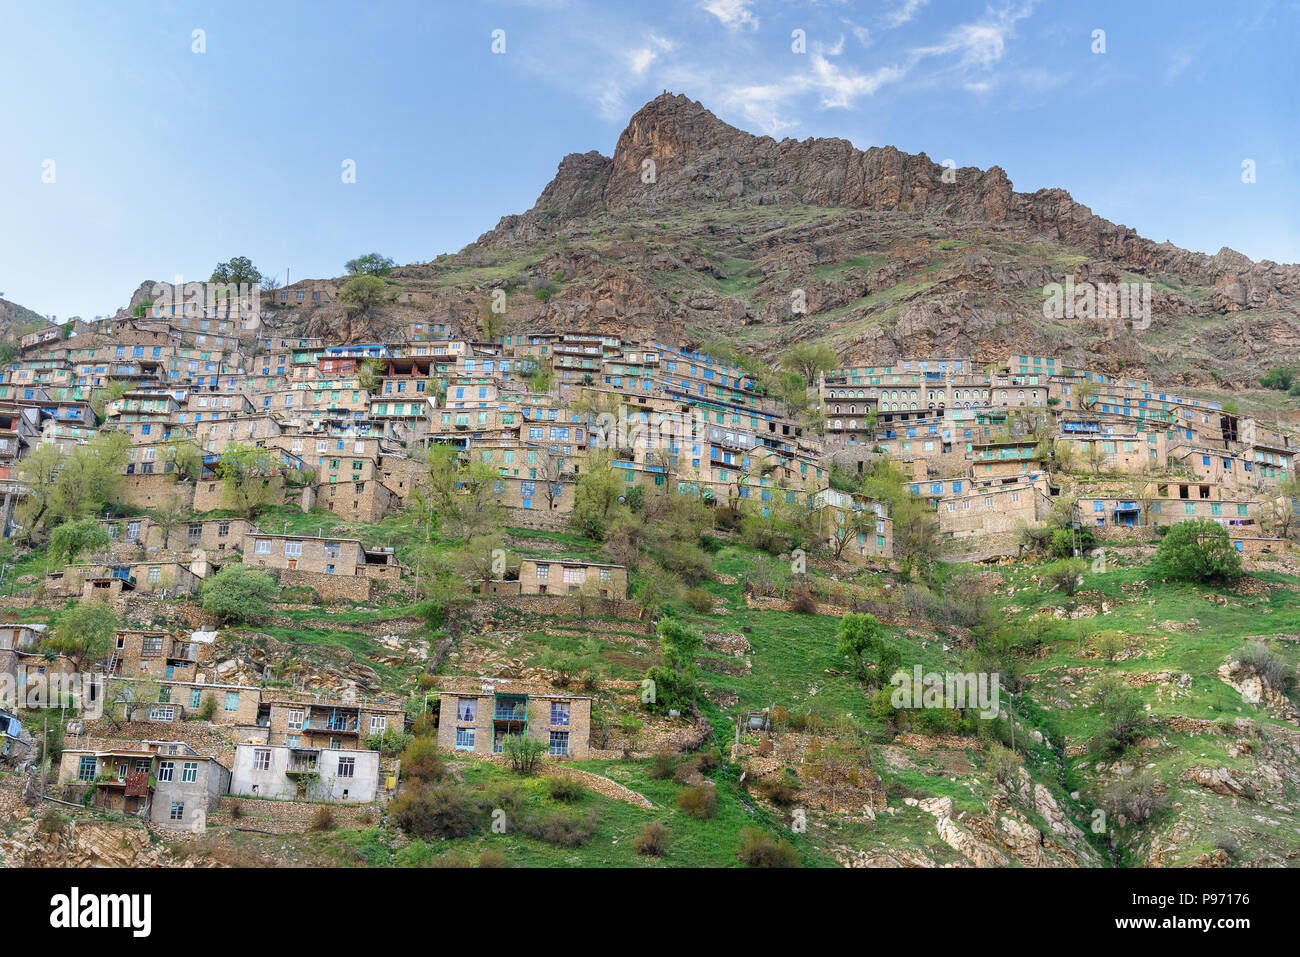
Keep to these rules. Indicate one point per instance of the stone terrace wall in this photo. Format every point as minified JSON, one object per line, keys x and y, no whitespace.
{"x":287,"y":817}
{"x":558,"y":605}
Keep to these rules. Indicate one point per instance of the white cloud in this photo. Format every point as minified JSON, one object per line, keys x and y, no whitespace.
{"x":841,"y":88}
{"x":733,"y":14}
{"x":640,"y":59}
{"x":862,"y":34}
{"x":904,"y":14}
{"x":979,"y":45}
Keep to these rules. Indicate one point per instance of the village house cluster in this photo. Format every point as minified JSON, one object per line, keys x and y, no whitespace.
{"x":348,"y":428}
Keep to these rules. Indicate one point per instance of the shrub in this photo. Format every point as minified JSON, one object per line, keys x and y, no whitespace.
{"x":1064,"y":575}
{"x":562,"y":828}
{"x":1227,"y":842}
{"x":494,"y":858}
{"x":758,"y":849}
{"x":435,"y":810}
{"x":236,"y":594}
{"x":322,"y":820}
{"x":699,"y":802}
{"x":389,"y":742}
{"x":523,"y":753}
{"x":699,"y":601}
{"x":208,"y":709}
{"x":779,"y":790}
{"x":687,"y":773}
{"x":802,"y":600}
{"x":1134,"y":797}
{"x":507,"y":797}
{"x":1198,"y":551}
{"x":565,"y":788}
{"x":1260,"y":661}
{"x":422,"y":760}
{"x":236,"y":810}
{"x":1003,"y":763}
{"x":1125,"y":716}
{"x":653,"y":839}
{"x":663,"y":765}
{"x":52,"y":822}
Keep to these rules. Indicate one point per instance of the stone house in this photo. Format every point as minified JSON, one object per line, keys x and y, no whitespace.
{"x":169,"y":782}
{"x":560,"y":577}
{"x":477,"y":714}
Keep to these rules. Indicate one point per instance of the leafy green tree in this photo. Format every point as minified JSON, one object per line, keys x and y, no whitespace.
{"x":862,"y":639}
{"x":363,"y":292}
{"x":370,"y":375}
{"x":1198,"y":550}
{"x":674,"y":680}
{"x":371,"y":264}
{"x":72,"y":486}
{"x":1279,"y":377}
{"x":809,"y":361}
{"x":239,"y":269}
{"x":1123,"y":713}
{"x":1064,"y":575}
{"x":84,"y":633}
{"x":72,"y":539}
{"x":596,"y":498}
{"x":185,"y":458}
{"x":236,"y":594}
{"x":248,"y":473}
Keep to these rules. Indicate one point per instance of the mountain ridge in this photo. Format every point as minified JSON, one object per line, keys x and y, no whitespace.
{"x":681,"y":136}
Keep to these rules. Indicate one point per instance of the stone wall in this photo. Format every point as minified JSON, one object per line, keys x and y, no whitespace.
{"x":562,"y":605}
{"x":286,"y":817}
{"x":328,"y":586}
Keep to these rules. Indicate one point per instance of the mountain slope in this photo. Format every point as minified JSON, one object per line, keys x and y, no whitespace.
{"x":877,"y":236}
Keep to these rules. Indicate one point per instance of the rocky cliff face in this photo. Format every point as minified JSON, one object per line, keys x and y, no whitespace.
{"x":698,"y":158}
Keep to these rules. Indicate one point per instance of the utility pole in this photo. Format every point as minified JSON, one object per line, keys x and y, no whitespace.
{"x":1012,"y":712}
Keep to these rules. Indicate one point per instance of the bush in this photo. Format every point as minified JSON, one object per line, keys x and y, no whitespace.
{"x":779,"y":790}
{"x":758,"y":849}
{"x":506,"y":797}
{"x":435,"y":810}
{"x":1003,"y":764}
{"x":389,"y":742}
{"x":208,"y":709}
{"x":687,"y":773}
{"x":52,"y":822}
{"x":322,"y":820}
{"x":653,"y":839}
{"x":562,"y":828}
{"x":802,"y":600}
{"x":236,"y":594}
{"x":422,"y":760}
{"x":494,"y":858}
{"x":699,"y":601}
{"x":663,"y":765}
{"x":699,"y":802}
{"x":1065,"y":575}
{"x":1134,"y":797}
{"x":236,"y":810}
{"x":565,"y":788}
{"x":1125,"y":717}
{"x":523,"y":753}
{"x":1198,"y":551}
{"x":1260,"y":661}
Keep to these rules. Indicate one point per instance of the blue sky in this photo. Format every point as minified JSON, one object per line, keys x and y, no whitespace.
{"x":166,"y":161}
